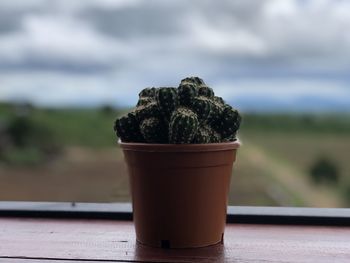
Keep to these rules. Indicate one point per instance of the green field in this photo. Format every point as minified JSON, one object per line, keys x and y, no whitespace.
{"x":272,"y":168}
{"x":84,"y":127}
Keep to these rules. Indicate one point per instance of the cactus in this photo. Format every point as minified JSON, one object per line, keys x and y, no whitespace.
{"x":202,"y":135}
{"x":154,"y":130}
{"x":215,"y":137}
{"x":205,"y":91}
{"x":190,"y":113}
{"x":231,"y":138}
{"x":202,"y":107}
{"x":183,"y":126}
{"x":127,"y":128}
{"x":206,"y":134}
{"x":148,"y":92}
{"x":146,"y":96}
{"x":147,"y":111}
{"x":215,"y":112}
{"x":144,"y":101}
{"x":187,"y":92}
{"x":229,"y":123}
{"x":193,"y":80}
{"x":219,"y":100}
{"x":167,"y":101}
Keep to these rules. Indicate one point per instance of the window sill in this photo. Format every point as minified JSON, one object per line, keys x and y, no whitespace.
{"x":39,"y":240}
{"x":235,"y":214}
{"x":64,"y":232}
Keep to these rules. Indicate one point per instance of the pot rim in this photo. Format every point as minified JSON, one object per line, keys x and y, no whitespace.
{"x":157,"y":147}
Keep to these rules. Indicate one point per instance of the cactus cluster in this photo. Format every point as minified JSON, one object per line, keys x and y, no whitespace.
{"x":190,"y":113}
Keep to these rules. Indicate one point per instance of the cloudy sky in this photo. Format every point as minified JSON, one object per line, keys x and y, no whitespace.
{"x":257,"y":54}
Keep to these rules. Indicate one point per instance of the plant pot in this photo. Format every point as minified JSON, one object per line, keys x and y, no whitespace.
{"x":179,"y":192}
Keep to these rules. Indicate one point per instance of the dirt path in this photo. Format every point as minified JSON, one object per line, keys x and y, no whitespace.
{"x":290,"y":178}
{"x":81,"y":174}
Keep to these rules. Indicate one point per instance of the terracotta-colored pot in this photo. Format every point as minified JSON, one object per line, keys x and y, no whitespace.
{"x":179,"y":192}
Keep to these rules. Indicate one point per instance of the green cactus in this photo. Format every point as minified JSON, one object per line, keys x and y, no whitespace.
{"x":215,"y":112}
{"x":167,"y":101}
{"x":202,"y":107}
{"x":202,"y":135}
{"x":215,"y":137}
{"x":144,"y":101}
{"x":229,"y":123}
{"x":154,"y":130}
{"x":193,"y":80}
{"x":127,"y":128}
{"x":148,"y":92}
{"x":206,"y":134}
{"x":205,"y":91}
{"x":219,"y":100}
{"x":190,"y":113}
{"x":147,"y":111}
{"x":187,"y":92}
{"x":146,"y":96}
{"x":231,"y":138}
{"x":183,"y":126}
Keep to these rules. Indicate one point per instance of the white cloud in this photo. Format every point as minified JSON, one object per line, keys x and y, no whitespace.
{"x":283,"y":90}
{"x":281,"y":9}
{"x":233,"y":40}
{"x":308,"y":32}
{"x":10,"y":5}
{"x":302,"y":40}
{"x":75,"y":5}
{"x":59,"y":39}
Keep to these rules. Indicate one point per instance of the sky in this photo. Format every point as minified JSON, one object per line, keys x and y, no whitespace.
{"x":259,"y":55}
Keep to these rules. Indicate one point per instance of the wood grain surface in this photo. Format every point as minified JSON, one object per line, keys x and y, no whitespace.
{"x":49,"y":240}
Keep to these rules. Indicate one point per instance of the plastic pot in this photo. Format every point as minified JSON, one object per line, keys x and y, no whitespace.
{"x":179,"y":192}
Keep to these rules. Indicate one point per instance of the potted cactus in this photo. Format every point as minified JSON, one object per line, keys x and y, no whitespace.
{"x":180,"y":145}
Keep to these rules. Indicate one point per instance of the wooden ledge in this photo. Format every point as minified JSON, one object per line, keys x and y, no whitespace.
{"x":72,"y":240}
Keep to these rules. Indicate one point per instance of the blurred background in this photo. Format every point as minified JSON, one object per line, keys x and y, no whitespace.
{"x":69,"y":68}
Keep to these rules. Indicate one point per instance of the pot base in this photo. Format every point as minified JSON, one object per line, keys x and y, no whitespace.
{"x":166,"y":244}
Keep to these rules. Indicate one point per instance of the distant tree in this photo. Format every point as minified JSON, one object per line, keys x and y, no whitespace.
{"x":20,"y":128}
{"x":324,"y":171}
{"x":4,"y":138}
{"x":307,"y":120}
{"x":27,"y":141}
{"x":107,"y":109}
{"x":23,"y":108}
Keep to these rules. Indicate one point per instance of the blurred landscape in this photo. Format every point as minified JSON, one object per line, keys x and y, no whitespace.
{"x":72,"y":155}
{"x":69,"y":68}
